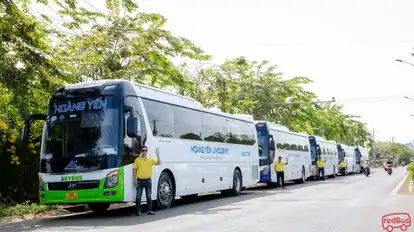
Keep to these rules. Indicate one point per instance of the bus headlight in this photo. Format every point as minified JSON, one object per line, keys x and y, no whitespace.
{"x":111,"y":179}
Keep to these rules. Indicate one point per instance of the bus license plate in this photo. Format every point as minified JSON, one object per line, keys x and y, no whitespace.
{"x":71,"y":196}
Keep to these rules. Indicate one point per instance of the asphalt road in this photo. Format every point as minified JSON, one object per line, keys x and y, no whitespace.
{"x":352,"y":203}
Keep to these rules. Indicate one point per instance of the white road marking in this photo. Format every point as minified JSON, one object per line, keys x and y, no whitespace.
{"x":395,"y":190}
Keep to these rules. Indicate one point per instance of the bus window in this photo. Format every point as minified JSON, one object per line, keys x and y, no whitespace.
{"x":234,"y":133}
{"x":212,"y":128}
{"x":160,"y":117}
{"x":187,"y":123}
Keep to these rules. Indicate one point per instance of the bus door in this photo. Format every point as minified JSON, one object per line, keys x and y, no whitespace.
{"x":266,"y":152}
{"x":341,"y":154}
{"x":314,"y":153}
{"x":357,"y":159}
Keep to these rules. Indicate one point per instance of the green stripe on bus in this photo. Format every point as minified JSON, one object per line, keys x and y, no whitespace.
{"x":99,"y":194}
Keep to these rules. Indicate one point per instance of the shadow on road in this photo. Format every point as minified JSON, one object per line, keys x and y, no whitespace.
{"x":202,"y":205}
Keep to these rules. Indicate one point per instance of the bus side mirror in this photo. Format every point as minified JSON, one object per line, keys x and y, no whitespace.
{"x":272,"y":144}
{"x":133,"y":127}
{"x":27,"y":123}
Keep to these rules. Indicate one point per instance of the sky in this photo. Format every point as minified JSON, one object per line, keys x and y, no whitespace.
{"x":348,"y":48}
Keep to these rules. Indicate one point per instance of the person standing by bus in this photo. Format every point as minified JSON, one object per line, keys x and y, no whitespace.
{"x":142,"y":177}
{"x":361,"y":165}
{"x":280,"y":171}
{"x":342,"y":167}
{"x":321,"y":168}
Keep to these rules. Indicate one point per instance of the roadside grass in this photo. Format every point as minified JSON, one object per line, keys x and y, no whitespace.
{"x":23,"y":209}
{"x":410,"y":169}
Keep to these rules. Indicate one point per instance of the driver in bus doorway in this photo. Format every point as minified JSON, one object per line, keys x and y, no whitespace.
{"x":320,"y":164}
{"x":280,"y":171}
{"x":142,"y":177}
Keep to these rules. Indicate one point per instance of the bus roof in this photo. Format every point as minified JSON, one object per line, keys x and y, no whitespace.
{"x":321,"y":139}
{"x":158,"y":95}
{"x":282,"y":128}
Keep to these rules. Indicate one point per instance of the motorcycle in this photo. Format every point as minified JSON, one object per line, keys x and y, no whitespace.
{"x":389,"y":169}
{"x":342,"y":171}
{"x":366,"y":171}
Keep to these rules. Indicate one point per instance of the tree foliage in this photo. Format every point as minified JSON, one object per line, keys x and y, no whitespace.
{"x":258,"y":88}
{"x":391,"y":150}
{"x":28,"y":74}
{"x":124,"y":44}
{"x":37,"y":56}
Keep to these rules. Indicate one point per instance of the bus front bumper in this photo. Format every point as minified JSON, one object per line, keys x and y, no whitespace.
{"x":81,"y":196}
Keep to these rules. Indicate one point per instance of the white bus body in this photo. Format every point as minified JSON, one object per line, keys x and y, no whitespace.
{"x":350,"y":159}
{"x":197,"y":166}
{"x":329,"y":153}
{"x":201,"y":150}
{"x":364,"y":153}
{"x":292,"y":147}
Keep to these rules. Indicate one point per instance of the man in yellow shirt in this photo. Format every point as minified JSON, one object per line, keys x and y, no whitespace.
{"x":361,"y":166}
{"x":321,"y":168}
{"x":280,"y":171}
{"x":142,"y":177}
{"x":342,"y":166}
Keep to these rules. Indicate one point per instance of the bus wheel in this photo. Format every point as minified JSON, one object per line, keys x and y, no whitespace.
{"x":98,"y":208}
{"x":165,"y":191}
{"x":303,"y":179}
{"x":334,"y":172}
{"x":237,"y":183}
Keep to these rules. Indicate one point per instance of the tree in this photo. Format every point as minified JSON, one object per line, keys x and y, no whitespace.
{"x":391,"y":150}
{"x":124,"y":44}
{"x":257,"y":88}
{"x":128,"y":44}
{"x":28,"y":73}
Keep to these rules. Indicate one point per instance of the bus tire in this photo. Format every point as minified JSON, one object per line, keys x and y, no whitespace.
{"x":237,"y":183}
{"x":165,"y":191}
{"x":303,"y":179}
{"x":98,"y":208}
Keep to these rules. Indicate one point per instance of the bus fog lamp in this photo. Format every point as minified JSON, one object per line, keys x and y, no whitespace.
{"x":111,"y":179}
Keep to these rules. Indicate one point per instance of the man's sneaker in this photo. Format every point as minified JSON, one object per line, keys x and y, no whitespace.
{"x":138,"y":213}
{"x":151,"y":213}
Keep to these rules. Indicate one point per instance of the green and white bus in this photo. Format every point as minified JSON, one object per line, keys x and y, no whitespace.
{"x":93,"y":131}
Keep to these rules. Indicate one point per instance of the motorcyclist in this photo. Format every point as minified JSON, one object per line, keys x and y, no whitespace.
{"x":366,"y":166}
{"x":388,"y":164}
{"x":361,"y":165}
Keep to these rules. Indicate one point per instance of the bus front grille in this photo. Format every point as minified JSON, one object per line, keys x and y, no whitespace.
{"x":74,"y":185}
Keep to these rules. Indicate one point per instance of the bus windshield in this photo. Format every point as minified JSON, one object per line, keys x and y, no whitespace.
{"x":81,"y":135}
